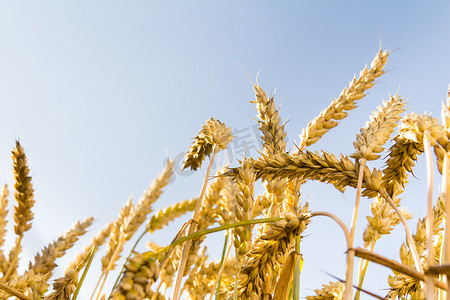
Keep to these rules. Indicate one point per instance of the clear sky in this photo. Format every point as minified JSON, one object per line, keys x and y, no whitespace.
{"x":100,"y":92}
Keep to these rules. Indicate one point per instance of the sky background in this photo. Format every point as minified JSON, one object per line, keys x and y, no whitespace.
{"x":100,"y":93}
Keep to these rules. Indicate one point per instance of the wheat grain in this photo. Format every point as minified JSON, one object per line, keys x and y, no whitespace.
{"x":330,"y":291}
{"x":443,"y":145}
{"x":225,"y":207}
{"x":203,"y":276}
{"x":345,"y":102}
{"x":377,"y":132}
{"x":24,"y":196}
{"x":24,"y":193}
{"x":23,"y":283}
{"x":258,"y":274}
{"x":140,"y":272}
{"x":64,"y":287}
{"x":213,"y":133}
{"x":401,"y":160}
{"x":116,"y":237}
{"x":197,"y":153}
{"x":143,"y":207}
{"x":170,"y":213}
{"x":97,"y":241}
{"x":382,"y":221}
{"x":45,"y":264}
{"x":273,"y":133}
{"x":243,"y":208}
{"x":170,"y":267}
{"x":415,"y":127}
{"x":314,"y":166}
{"x":132,"y":217}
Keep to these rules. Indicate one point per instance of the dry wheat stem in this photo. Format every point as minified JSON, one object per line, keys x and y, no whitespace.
{"x":222,"y":268}
{"x":409,"y":239}
{"x":3,"y":215}
{"x":363,"y":264}
{"x":216,"y":196}
{"x":396,"y":266}
{"x":192,"y":227}
{"x":429,"y":287}
{"x":86,"y":262}
{"x":445,"y":255}
{"x":350,"y":253}
{"x":13,"y":261}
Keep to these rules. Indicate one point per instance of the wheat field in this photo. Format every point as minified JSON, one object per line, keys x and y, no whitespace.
{"x":264,"y":230}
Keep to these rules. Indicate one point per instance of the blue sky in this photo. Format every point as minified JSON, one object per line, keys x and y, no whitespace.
{"x":100,"y":93}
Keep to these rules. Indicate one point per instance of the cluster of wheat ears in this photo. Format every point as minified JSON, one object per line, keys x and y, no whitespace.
{"x":263,"y":230}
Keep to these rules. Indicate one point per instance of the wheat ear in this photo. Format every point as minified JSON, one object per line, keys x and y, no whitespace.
{"x":24,"y":196}
{"x":369,"y":143}
{"x":243,"y":208}
{"x":45,"y":264}
{"x":345,"y":102}
{"x":164,"y":216}
{"x":272,"y":130}
{"x":330,"y":291}
{"x":141,"y":271}
{"x":96,"y":242}
{"x":258,"y":274}
{"x":323,"y":167}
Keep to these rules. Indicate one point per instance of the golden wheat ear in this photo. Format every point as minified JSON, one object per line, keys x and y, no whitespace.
{"x":96,"y":242}
{"x":369,"y":143}
{"x":273,"y":134}
{"x":164,"y":216}
{"x":214,"y":136}
{"x":346,"y":101}
{"x":44,"y":263}
{"x":332,"y":290}
{"x":24,"y":196}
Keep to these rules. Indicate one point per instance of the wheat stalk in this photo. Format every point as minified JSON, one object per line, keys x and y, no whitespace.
{"x":3,"y":223}
{"x":218,"y":136}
